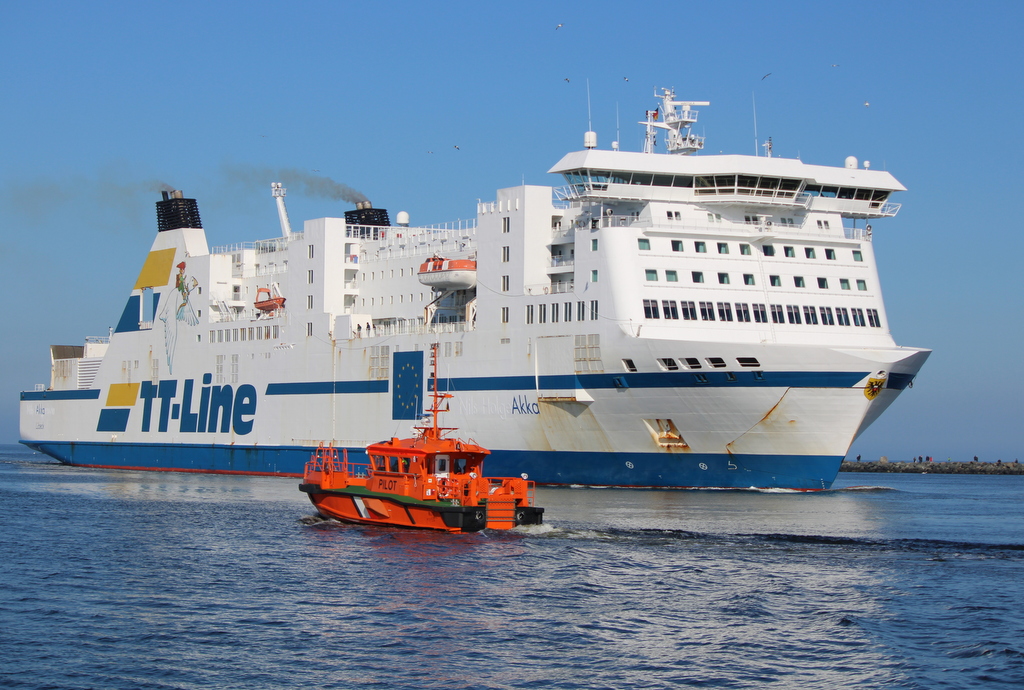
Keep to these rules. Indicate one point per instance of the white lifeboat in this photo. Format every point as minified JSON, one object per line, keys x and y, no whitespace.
{"x":448,"y":274}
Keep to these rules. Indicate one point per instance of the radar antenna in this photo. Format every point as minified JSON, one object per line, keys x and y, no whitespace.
{"x":675,"y":117}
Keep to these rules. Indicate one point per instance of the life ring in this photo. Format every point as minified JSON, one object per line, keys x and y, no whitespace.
{"x":446,"y":488}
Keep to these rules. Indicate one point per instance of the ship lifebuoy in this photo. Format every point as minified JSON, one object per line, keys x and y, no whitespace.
{"x":446,"y":488}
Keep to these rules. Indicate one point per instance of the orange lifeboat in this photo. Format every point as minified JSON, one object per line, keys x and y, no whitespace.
{"x":268,"y":300}
{"x":430,"y":481}
{"x":448,"y":274}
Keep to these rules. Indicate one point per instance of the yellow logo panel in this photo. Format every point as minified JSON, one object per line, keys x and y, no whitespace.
{"x":156,"y":272}
{"x":122,"y":394}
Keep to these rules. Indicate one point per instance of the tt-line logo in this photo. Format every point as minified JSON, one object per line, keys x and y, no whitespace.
{"x":221,"y":408}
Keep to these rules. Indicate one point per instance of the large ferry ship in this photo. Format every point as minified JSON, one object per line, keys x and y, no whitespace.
{"x":664,"y":319}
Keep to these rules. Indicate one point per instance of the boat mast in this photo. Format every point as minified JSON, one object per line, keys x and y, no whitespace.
{"x":434,"y":431}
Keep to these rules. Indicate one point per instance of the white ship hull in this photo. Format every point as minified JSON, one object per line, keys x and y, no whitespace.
{"x":578,"y":358}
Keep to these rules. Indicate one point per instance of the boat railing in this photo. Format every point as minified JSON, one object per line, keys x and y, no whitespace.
{"x":562,"y":261}
{"x":559,"y":287}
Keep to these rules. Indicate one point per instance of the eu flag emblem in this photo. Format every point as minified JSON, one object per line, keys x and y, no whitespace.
{"x":407,"y":387}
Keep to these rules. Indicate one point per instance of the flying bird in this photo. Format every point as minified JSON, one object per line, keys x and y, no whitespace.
{"x":866,"y":104}
{"x":558,"y":27}
{"x":835,"y":65}
{"x":626,"y":78}
{"x":766,"y":76}
{"x":567,"y":80}
{"x":457,"y":147}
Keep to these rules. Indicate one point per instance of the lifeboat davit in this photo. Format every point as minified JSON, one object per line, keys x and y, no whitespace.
{"x":448,"y":274}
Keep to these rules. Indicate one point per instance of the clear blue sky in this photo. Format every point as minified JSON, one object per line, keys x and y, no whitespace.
{"x":101,"y":102}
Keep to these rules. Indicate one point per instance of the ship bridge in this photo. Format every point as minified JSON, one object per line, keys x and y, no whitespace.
{"x":733,"y":180}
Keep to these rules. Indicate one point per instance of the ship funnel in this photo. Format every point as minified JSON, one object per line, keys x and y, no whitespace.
{"x":366,"y":214}
{"x":175,"y":212}
{"x":282,"y":213}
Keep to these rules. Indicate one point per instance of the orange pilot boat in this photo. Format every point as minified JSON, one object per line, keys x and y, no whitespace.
{"x":430,"y":481}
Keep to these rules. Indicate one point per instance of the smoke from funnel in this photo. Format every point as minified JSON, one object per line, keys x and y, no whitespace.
{"x":298,"y":180}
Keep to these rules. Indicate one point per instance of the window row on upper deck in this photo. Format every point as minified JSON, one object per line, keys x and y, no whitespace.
{"x":733,"y":183}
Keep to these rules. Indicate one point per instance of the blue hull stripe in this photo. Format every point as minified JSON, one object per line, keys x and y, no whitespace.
{"x":782,"y":379}
{"x":668,"y":379}
{"x":89,"y":394}
{"x":656,"y":470}
{"x":327,"y":387}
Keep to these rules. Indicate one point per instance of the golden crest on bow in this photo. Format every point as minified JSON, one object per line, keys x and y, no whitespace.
{"x":875,"y":385}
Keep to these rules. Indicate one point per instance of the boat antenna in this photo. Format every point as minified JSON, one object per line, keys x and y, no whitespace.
{"x":754,"y":102}
{"x":590,"y":126}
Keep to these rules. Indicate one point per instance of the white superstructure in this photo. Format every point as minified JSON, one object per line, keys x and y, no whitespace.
{"x":660,"y":320}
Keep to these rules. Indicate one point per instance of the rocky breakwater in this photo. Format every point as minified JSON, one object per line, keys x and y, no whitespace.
{"x":948,"y":467}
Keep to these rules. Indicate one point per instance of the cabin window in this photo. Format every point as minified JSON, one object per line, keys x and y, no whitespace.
{"x":768,"y":250}
{"x":700,"y":247}
{"x":504,"y":314}
{"x":873,"y":318}
{"x":809,"y":252}
{"x":724,"y":311}
{"x":707,"y":311}
{"x":567,"y":311}
{"x":668,"y":308}
{"x":505,"y":283}
{"x":789,"y":252}
{"x":668,"y":363}
{"x":857,"y":255}
{"x":793,"y":313}
{"x":554,"y":312}
{"x":441,"y":464}
{"x":689,"y":311}
{"x":760,"y":314}
{"x":505,"y":223}
{"x":698,"y":276}
{"x":716,"y":362}
{"x":504,"y":255}
{"x":810,"y":316}
{"x":862,"y":285}
{"x":823,"y":283}
{"x":748,"y":278}
{"x":798,"y":281}
{"x":628,"y":364}
{"x":858,"y":316}
{"x":593,"y":276}
{"x":593,"y":310}
{"x":593,"y":245}
{"x":745,"y":249}
{"x":777,"y":314}
{"x":643,"y":243}
{"x":692,"y":362}
{"x":529,"y":313}
{"x":748,"y":361}
{"x":776,"y":281}
{"x":842,"y":316}
{"x":826,"y":316}
{"x":542,"y":313}
{"x":723,"y":278}
{"x":651,"y":275}
{"x":677,"y":245}
{"x":743,"y":312}
{"x":844,"y":283}
{"x":830,"y":254}
{"x":671,"y":276}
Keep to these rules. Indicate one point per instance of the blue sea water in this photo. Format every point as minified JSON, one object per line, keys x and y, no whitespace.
{"x":117,"y":579}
